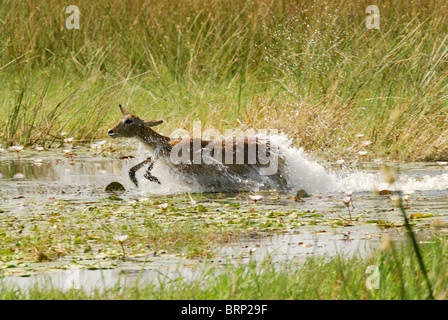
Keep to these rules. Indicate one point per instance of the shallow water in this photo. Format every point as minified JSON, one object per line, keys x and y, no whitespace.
{"x":32,"y":180}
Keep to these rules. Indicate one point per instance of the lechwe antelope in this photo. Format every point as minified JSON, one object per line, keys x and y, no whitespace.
{"x":212,"y":165}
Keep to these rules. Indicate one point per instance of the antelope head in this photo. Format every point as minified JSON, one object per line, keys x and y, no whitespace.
{"x":130,"y":125}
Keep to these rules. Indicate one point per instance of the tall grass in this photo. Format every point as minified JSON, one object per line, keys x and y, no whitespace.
{"x":319,"y":278}
{"x":309,"y":68}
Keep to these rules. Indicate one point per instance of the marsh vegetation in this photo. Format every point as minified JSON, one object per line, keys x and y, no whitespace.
{"x":348,"y":100}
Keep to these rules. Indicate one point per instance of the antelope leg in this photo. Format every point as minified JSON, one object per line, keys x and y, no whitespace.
{"x":148,"y":174}
{"x":150,"y":177}
{"x":134,"y":169}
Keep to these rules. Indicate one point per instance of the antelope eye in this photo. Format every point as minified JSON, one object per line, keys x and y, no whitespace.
{"x":128,"y":121}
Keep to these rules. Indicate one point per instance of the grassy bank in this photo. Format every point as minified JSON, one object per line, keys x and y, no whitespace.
{"x":309,"y":68}
{"x":399,"y":277}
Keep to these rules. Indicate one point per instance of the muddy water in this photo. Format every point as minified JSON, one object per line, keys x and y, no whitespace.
{"x":31,"y":180}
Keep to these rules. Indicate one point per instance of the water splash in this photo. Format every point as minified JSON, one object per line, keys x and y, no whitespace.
{"x":309,"y":174}
{"x":53,"y":171}
{"x":302,"y":173}
{"x":363,"y":181}
{"x":305,"y":172}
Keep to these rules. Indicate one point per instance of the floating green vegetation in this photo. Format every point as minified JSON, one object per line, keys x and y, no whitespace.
{"x":186,"y":226}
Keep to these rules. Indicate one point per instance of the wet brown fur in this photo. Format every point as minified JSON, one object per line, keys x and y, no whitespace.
{"x":209,"y":176}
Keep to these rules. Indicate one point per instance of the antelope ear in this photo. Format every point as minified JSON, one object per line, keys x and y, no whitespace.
{"x":152,"y":123}
{"x":123,"y":110}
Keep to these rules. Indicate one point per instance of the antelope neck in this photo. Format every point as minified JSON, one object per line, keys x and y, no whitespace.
{"x":152,"y":139}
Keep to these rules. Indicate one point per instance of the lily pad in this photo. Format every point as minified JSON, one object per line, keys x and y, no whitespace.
{"x":114,"y":198}
{"x":114,"y":187}
{"x":420,"y":215}
{"x":303,"y":194}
